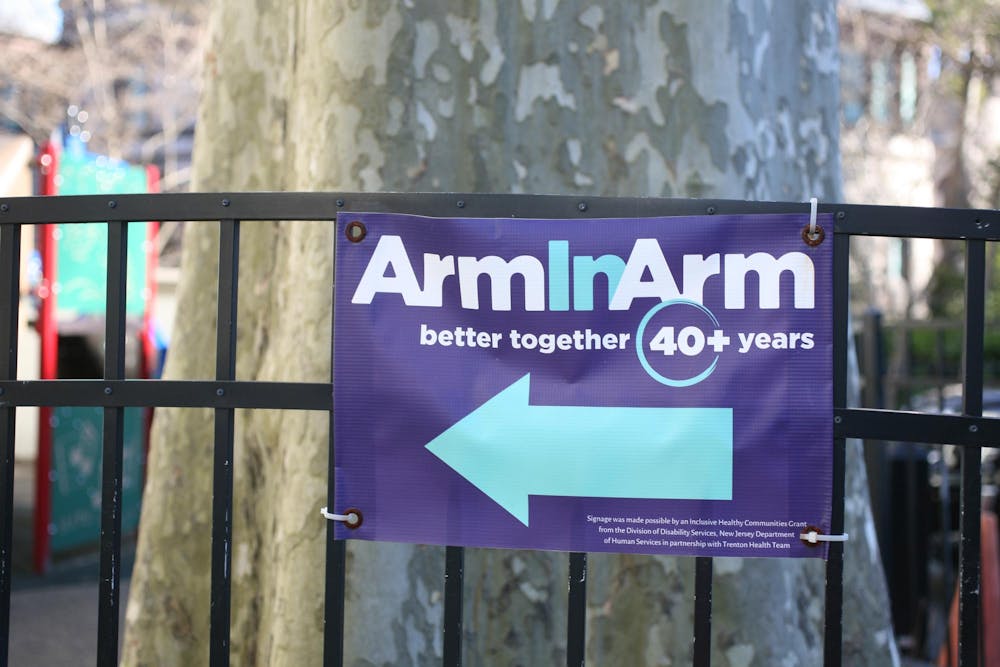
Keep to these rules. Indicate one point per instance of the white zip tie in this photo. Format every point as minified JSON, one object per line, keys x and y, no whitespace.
{"x":813,"y":537}
{"x":337,"y":517}
{"x":813,"y":208}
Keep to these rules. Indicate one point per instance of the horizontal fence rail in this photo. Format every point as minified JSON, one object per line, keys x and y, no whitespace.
{"x":167,"y":393}
{"x":225,"y":394}
{"x":850,"y":219}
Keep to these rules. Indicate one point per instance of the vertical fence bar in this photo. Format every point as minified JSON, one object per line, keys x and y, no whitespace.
{"x":114,"y":429}
{"x":10,"y":274}
{"x":336,"y":554}
{"x":222,"y":484}
{"x":454,"y":578}
{"x":833,"y":629}
{"x":333,"y":625}
{"x":702,"y":611}
{"x":336,"y":565}
{"x":576,"y":627}
{"x":971,"y":490}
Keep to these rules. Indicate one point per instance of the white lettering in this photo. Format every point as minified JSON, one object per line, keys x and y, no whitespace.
{"x":390,"y":254}
{"x":646,"y":254}
{"x":698,"y":269}
{"x":500,"y":273}
{"x":769,"y":270}
{"x":436,"y":269}
{"x":646,"y":275}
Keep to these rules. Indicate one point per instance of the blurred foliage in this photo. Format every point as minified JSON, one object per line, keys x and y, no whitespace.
{"x":967,"y":32}
{"x":945,"y":291}
{"x":933,"y":357}
{"x":936,"y":352}
{"x":967,"y":29}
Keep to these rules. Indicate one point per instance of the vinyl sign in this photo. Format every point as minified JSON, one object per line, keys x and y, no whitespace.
{"x":654,"y":385}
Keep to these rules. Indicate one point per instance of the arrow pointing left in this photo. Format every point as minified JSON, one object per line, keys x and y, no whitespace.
{"x":511,"y":450}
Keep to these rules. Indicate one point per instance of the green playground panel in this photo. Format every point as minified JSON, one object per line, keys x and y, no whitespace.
{"x":82,"y":293}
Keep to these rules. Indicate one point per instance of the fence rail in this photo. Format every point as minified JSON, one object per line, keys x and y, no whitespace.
{"x":225,"y":393}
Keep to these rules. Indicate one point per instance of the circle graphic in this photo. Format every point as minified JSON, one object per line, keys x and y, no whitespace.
{"x":640,"y":347}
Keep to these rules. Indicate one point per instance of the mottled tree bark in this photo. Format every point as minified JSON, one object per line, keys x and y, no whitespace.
{"x":714,"y":99}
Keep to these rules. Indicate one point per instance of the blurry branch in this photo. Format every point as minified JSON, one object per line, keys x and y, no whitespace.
{"x":131,"y":67}
{"x":93,"y":41}
{"x":37,"y":80}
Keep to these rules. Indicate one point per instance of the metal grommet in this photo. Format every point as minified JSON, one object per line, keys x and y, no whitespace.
{"x":582,"y":206}
{"x":710,"y":210}
{"x":225,"y":202}
{"x":815,"y":238}
{"x":356,"y":231}
{"x":107,"y":391}
{"x":112,"y":204}
{"x":340,"y":203}
{"x":460,"y":203}
{"x":354,"y":518}
{"x":806,"y":531}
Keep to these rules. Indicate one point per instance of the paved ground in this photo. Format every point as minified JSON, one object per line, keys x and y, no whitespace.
{"x":53,"y":618}
{"x":55,"y":625}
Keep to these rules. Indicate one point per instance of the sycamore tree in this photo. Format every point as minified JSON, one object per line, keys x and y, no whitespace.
{"x":710,"y":99}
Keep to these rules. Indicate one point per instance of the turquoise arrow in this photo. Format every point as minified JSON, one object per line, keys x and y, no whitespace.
{"x":510,"y":450}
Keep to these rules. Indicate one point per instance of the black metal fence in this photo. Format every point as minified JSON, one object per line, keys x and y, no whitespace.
{"x":225,"y":394}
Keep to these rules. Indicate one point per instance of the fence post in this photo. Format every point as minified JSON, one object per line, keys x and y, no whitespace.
{"x":10,"y":293}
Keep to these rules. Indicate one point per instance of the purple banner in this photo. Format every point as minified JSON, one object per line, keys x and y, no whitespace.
{"x":639,"y":385}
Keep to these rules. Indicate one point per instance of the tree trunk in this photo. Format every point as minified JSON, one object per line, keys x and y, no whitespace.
{"x":721,"y":99}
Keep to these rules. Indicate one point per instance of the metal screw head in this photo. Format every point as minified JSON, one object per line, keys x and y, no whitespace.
{"x":460,"y":203}
{"x":837,"y":420}
{"x":220,"y":392}
{"x":582,"y":206}
{"x":225,"y":202}
{"x":107,"y":391}
{"x":112,"y":204}
{"x":340,"y":202}
{"x":710,"y":210}
{"x":841,"y":215}
{"x":4,"y":208}
{"x":973,"y":429}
